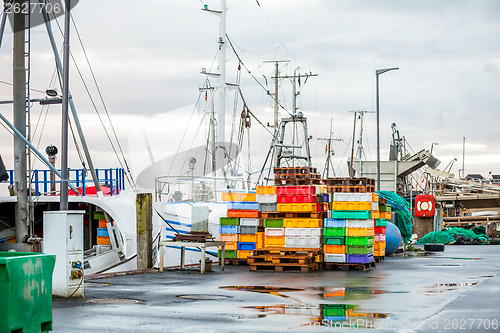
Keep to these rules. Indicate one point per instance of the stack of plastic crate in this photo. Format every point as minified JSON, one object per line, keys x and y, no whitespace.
{"x":356,"y":209}
{"x":241,"y":229}
{"x":380,"y":225}
{"x":102,"y":230}
{"x":304,"y":207}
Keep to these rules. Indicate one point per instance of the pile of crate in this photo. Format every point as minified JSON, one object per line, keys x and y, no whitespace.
{"x":380,"y":224}
{"x":102,"y":230}
{"x":242,"y":228}
{"x":296,"y":176}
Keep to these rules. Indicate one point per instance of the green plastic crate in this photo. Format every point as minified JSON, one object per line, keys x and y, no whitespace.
{"x":384,"y":208}
{"x":334,"y":232}
{"x":381,"y":223}
{"x":352,"y":214}
{"x":230,"y":254}
{"x":26,"y":291}
{"x":334,"y":240}
{"x":359,"y":241}
{"x":229,"y":221}
{"x":273,"y":223}
{"x":352,"y":249}
{"x":337,"y":312}
{"x":98,"y":215}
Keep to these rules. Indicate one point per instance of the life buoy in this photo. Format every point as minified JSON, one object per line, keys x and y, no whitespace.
{"x":425,"y":205}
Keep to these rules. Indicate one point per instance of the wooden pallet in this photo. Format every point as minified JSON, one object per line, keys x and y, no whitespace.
{"x":349,"y":181}
{"x":284,"y":267}
{"x":295,"y":170}
{"x":237,"y":262}
{"x":351,"y":188}
{"x":295,"y":181}
{"x":348,"y":266}
{"x":379,"y":258}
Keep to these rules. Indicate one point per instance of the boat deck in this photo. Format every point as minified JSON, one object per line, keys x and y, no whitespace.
{"x":438,"y":292}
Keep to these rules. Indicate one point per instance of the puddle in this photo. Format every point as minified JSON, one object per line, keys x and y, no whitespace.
{"x":263,"y":289}
{"x":203,"y":297}
{"x":114,"y":301}
{"x":445,"y":265}
{"x":457,"y":284}
{"x":443,"y":287}
{"x":355,"y":293}
{"x":460,"y":258}
{"x":323,"y":314}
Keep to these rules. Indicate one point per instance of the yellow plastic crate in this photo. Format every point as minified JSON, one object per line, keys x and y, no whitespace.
{"x":238,"y":196}
{"x":274,"y":241}
{"x":379,"y":252}
{"x":319,"y":258}
{"x":247,"y":238}
{"x":266,"y":189}
{"x":230,"y":246}
{"x":351,"y":313}
{"x":298,"y":208}
{"x":385,"y":215}
{"x":228,"y":237}
{"x":243,"y":254}
{"x":302,"y":223}
{"x":375,"y":214}
{"x":334,"y":249}
{"x":378,"y":245}
{"x":359,"y":232}
{"x":351,"y":205}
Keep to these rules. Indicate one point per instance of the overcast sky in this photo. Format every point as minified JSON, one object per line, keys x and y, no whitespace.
{"x":147,"y":58}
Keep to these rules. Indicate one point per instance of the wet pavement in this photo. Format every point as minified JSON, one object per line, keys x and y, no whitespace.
{"x":454,"y":290}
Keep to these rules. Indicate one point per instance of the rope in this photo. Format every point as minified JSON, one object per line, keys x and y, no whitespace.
{"x":404,"y":218}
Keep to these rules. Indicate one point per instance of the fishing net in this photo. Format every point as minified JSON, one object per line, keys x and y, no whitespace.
{"x":404,"y":219}
{"x":456,"y":236}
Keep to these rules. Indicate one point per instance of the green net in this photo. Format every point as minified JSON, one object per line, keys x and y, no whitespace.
{"x":404,"y":219}
{"x":455,"y":236}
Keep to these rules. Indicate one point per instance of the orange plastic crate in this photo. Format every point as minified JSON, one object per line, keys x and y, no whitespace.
{"x":260,"y":240}
{"x":102,"y":240}
{"x":102,"y":224}
{"x":230,"y":246}
{"x":243,"y":213}
{"x":359,"y":232}
{"x":274,"y":241}
{"x":334,"y":249}
{"x":334,"y":293}
{"x":228,"y":237}
{"x":374,"y":197}
{"x":247,"y":238}
{"x":379,"y":252}
{"x":378,"y":246}
{"x":266,"y":189}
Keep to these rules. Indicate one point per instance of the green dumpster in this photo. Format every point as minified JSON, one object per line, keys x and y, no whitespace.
{"x":26,"y":292}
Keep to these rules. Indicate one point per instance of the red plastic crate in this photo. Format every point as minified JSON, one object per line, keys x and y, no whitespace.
{"x":309,"y":198}
{"x":296,"y":190}
{"x":380,"y":230}
{"x":243,"y":213}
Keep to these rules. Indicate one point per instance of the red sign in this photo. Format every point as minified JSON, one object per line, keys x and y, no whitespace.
{"x":425,"y":205}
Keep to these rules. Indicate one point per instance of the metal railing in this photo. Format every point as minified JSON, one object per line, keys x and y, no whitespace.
{"x":205,"y":189}
{"x":114,"y":178}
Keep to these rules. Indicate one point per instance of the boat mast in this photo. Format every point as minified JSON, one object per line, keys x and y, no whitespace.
{"x":19,"y":108}
{"x":221,"y":112}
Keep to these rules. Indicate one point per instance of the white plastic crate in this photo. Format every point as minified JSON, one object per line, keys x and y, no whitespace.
{"x":332,"y":257}
{"x":303,"y":309}
{"x":303,"y":242}
{"x":379,"y":237}
{"x":267,"y":198}
{"x":275,"y":231}
{"x":375,"y":206}
{"x":358,"y":223}
{"x":339,"y":196}
{"x":304,"y":232}
{"x":250,"y":222}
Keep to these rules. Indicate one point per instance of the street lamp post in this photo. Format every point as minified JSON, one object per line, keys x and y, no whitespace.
{"x":377,"y":73}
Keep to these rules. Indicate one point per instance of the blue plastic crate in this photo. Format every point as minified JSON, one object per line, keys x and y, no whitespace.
{"x":335,"y":223}
{"x":352,"y":214}
{"x":243,"y":205}
{"x":246,"y":246}
{"x":102,"y":232}
{"x":334,"y":318}
{"x":325,"y":197}
{"x":228,"y":229}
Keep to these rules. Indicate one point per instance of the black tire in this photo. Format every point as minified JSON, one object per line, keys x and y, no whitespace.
{"x":434,"y":247}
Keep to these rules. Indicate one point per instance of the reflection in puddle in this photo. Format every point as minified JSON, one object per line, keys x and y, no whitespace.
{"x":263,"y":289}
{"x":442,"y":287}
{"x":323,"y":313}
{"x":355,"y":293}
{"x":460,"y":258}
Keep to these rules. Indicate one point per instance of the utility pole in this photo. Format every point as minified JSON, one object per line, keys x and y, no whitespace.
{"x":19,"y":101}
{"x":463,"y":160}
